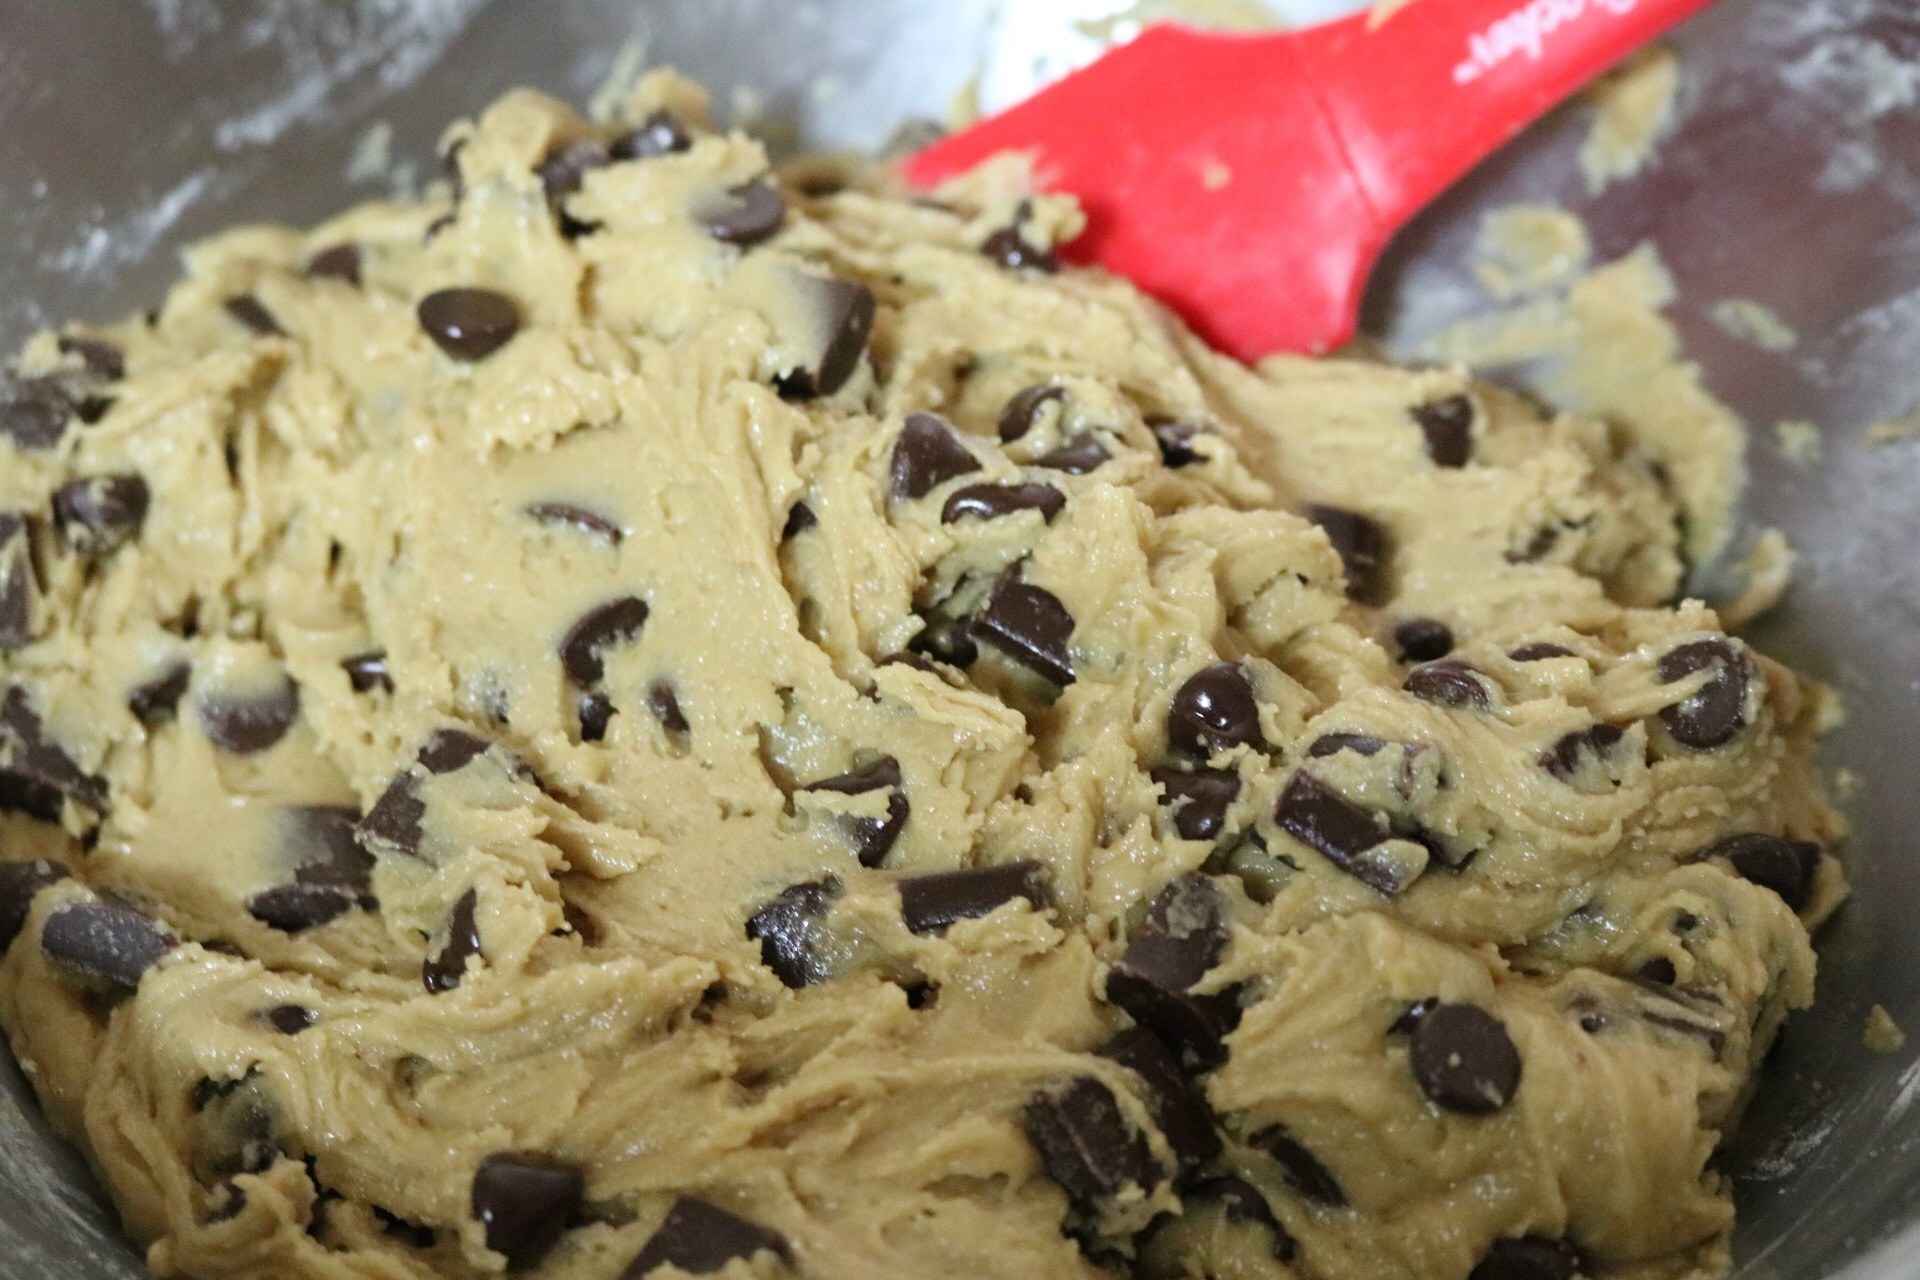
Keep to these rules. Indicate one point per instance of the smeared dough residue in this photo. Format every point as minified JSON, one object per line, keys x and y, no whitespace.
{"x":1526,"y":248}
{"x":1755,"y":322}
{"x":1882,"y":1034}
{"x":1769,"y":570}
{"x":1633,"y":110}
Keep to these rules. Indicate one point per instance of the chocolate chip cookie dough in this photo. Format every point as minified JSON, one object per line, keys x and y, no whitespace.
{"x":644,"y":716}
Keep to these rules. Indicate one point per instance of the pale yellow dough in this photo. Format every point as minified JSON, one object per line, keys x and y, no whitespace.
{"x":347,"y":487}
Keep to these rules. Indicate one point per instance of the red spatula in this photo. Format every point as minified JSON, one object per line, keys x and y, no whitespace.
{"x":1252,"y":181}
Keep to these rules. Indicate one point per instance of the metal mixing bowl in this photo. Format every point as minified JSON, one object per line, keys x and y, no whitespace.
{"x":128,"y":128}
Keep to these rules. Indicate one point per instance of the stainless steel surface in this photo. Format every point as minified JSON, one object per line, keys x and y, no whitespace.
{"x":128,"y":128}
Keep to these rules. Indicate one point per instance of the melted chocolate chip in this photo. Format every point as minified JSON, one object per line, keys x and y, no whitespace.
{"x":843,"y":312}
{"x":39,"y":765}
{"x":249,"y":311}
{"x":341,"y":262}
{"x":101,"y":359}
{"x":1029,"y":625}
{"x":1024,"y":409}
{"x":947,"y":642}
{"x":583,"y":651}
{"x":19,"y":589}
{"x":1199,"y":798}
{"x":1448,"y":426}
{"x":294,"y":907}
{"x":791,"y":931}
{"x":700,"y":1238}
{"x":1423,"y":640}
{"x":1713,"y":715}
{"x":1539,"y":651}
{"x":104,"y":941}
{"x":449,"y":750}
{"x":1362,"y":547}
{"x":1084,"y":1141}
{"x":20,"y":884}
{"x":873,"y":838}
{"x":932,"y":903}
{"x":1332,"y":744}
{"x":1449,"y":683}
{"x":659,"y":134}
{"x":1300,"y":1167}
{"x":990,"y":501}
{"x":1214,"y":711}
{"x":468,"y":324}
{"x":1312,"y":813}
{"x":1077,"y":457}
{"x":665,"y":705}
{"x":1464,"y":1060}
{"x":368,"y":671}
{"x":1177,"y":1107}
{"x":290,"y":1019}
{"x":800,"y":518}
{"x":1573,"y":750}
{"x":100,"y":513}
{"x":1176,"y":442}
{"x":1010,"y":249}
{"x":572,"y":515}
{"x":927,"y":455}
{"x":444,"y":970}
{"x":1183,"y":937}
{"x":596,"y":716}
{"x":1528,"y":1258}
{"x":1773,"y":862}
{"x":250,"y":723}
{"x":525,"y":1199}
{"x":565,"y":168}
{"x":35,"y":413}
{"x":746,"y":215}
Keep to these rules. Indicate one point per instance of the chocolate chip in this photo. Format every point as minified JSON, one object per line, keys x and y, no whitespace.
{"x":341,"y":262}
{"x":35,"y":413}
{"x":1029,"y":625}
{"x":1537,"y":547}
{"x":872,"y":838}
{"x":947,"y":642}
{"x":1528,"y":1258}
{"x":99,"y":513}
{"x":700,"y":1238}
{"x":469,"y":324}
{"x":843,"y":312}
{"x":583,"y":651}
{"x":1407,"y":1021}
{"x":659,"y":134}
{"x":927,"y":455}
{"x":932,"y":903}
{"x":1312,"y":813}
{"x":93,"y":408}
{"x":1010,"y":249}
{"x":1573,"y":750}
{"x":1183,"y":937}
{"x":1713,"y":715}
{"x":1658,"y":972}
{"x":294,"y":907}
{"x":1300,"y":1167}
{"x":393,"y":824}
{"x":102,"y":359}
{"x":1448,"y":426}
{"x":1214,"y":711}
{"x":1084,"y":1141}
{"x":27,"y":754}
{"x":20,"y":883}
{"x":596,"y":715}
{"x":591,"y":523}
{"x":1773,"y":862}
{"x":1332,"y":744}
{"x":19,"y":589}
{"x":1077,"y":457}
{"x":665,"y":706}
{"x":791,"y":931}
{"x":1176,"y":441}
{"x":800,"y":518}
{"x":368,"y":671}
{"x":1362,"y":546}
{"x":1423,"y":639}
{"x":1464,"y":1060}
{"x":450,"y":750}
{"x":990,"y":501}
{"x":290,"y":1019}
{"x":1539,"y":651}
{"x":1021,"y":412}
{"x":525,"y":1199}
{"x":566,"y":167}
{"x":249,"y":311}
{"x":1243,"y":1202}
{"x":1199,"y":798}
{"x":1449,"y":683}
{"x":746,"y":215}
{"x":104,"y":941}
{"x":250,"y":723}
{"x":444,"y":970}
{"x":1177,"y":1107}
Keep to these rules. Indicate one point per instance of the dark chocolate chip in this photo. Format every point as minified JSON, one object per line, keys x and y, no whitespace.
{"x":1528,"y":1258}
{"x":931,"y":903}
{"x":1085,"y":1143}
{"x":665,"y":705}
{"x":341,"y":262}
{"x":800,"y":518}
{"x":35,"y":413}
{"x":1029,"y":625}
{"x":1020,"y":413}
{"x":1214,"y":711}
{"x":596,"y":716}
{"x":1539,"y":651}
{"x":38,"y":763}
{"x":1176,"y":442}
{"x":947,"y":642}
{"x":249,"y":311}
{"x":1243,"y":1202}
{"x":1010,"y":249}
{"x":251,"y":723}
{"x":1543,"y":541}
{"x":583,"y":651}
{"x":1658,"y":972}
{"x":927,"y":455}
{"x":469,"y":324}
{"x":99,"y":513}
{"x":525,"y":1199}
{"x":93,"y":408}
{"x":321,"y":839}
{"x":565,"y":168}
{"x":572,"y":515}
{"x":1199,"y":798}
{"x":1449,"y":683}
{"x":1719,"y":710}
{"x":659,"y":134}
{"x":1332,"y":744}
{"x":1362,"y":546}
{"x":1464,"y":1060}
{"x":104,"y":941}
{"x":1407,"y":1021}
{"x":873,"y":838}
{"x":1312,"y":813}
{"x":1300,"y":1167}
{"x":843,"y":314}
{"x":700,"y":1238}
{"x":393,"y":824}
{"x":294,"y":907}
{"x":368,"y":671}
{"x":746,"y":215}
{"x":1448,"y":426}
{"x":20,"y":883}
{"x":1077,"y":457}
{"x":290,"y":1019}
{"x":444,"y":970}
{"x":1423,"y":639}
{"x":1568,"y":754}
{"x":449,"y":750}
{"x":1183,"y":936}
{"x":990,"y":501}
{"x":1773,"y":862}
{"x":102,"y":359}
{"x":791,"y":931}
{"x":19,"y":589}
{"x":1177,"y":1107}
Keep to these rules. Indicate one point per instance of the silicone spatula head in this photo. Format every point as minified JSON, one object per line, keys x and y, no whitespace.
{"x":1251,"y":182}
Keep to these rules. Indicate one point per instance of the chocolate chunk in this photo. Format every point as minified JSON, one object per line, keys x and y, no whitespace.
{"x":1407,"y":1021}
{"x":591,"y":523}
{"x":927,"y":455}
{"x":26,"y":754}
{"x":931,"y":903}
{"x":1300,"y":1167}
{"x":1085,"y":1143}
{"x":1199,"y":798}
{"x":525,"y":1199}
{"x":19,"y":589}
{"x":1362,"y":546}
{"x":1773,"y":862}
{"x":1332,"y":744}
{"x":665,"y":705}
{"x":1539,"y":651}
{"x":1029,"y":625}
{"x":1214,"y":711}
{"x":469,"y":324}
{"x":1177,"y":1107}
{"x":290,"y":1019}
{"x":20,"y":884}
{"x":249,"y":311}
{"x":1528,"y":1258}
{"x":393,"y":824}
{"x":947,"y":642}
{"x":1449,"y":683}
{"x":583,"y":651}
{"x":321,"y":838}
{"x":1423,"y":640}
{"x":1719,"y":710}
{"x":35,"y":413}
{"x":1568,"y":754}
{"x":341,"y":262}
{"x":565,"y":168}
{"x":1010,"y":249}
{"x":1078,"y":456}
{"x":368,"y":671}
{"x":1176,"y":441}
{"x":596,"y":716}
{"x":101,"y":359}
{"x":791,"y":931}
{"x":701,"y":1238}
{"x":872,"y":838}
{"x":843,"y":312}
{"x":1312,"y":813}
{"x":1183,"y":936}
{"x":294,"y":907}
{"x":1023,"y":410}
{"x":1464,"y":1060}
{"x":659,"y":134}
{"x":800,"y":518}
{"x":444,"y":970}
{"x":746,"y":215}
{"x":104,"y":941}
{"x":251,"y":723}
{"x":99,"y":513}
{"x":1448,"y":426}
{"x":449,"y":750}
{"x":990,"y":501}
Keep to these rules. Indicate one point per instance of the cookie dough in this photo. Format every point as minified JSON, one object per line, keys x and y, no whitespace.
{"x":646,"y":716}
